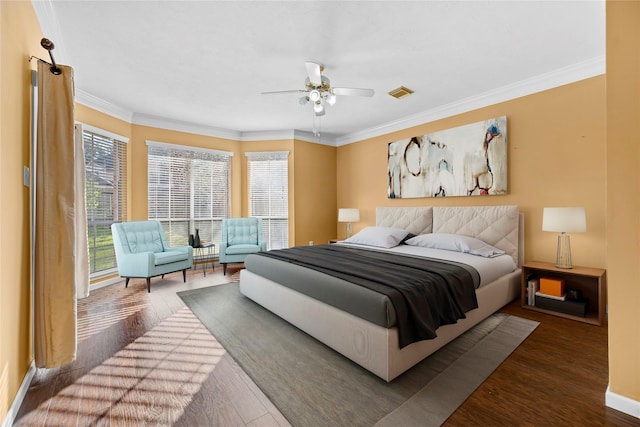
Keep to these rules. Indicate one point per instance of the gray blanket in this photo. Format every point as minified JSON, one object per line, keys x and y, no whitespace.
{"x":426,"y":293}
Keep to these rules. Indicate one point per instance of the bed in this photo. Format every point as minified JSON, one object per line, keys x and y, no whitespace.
{"x":360,"y":323}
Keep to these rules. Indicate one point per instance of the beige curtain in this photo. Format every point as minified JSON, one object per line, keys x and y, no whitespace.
{"x":81,"y":244}
{"x":54,"y":278}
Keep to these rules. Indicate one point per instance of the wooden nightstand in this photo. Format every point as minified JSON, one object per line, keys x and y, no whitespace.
{"x":333,"y":241}
{"x":591,"y":282}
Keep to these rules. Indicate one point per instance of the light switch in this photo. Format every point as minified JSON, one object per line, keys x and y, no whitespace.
{"x":25,"y":176}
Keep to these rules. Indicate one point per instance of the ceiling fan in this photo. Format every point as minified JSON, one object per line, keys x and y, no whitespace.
{"x":318,"y":90}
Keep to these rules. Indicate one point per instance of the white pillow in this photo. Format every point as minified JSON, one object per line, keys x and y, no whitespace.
{"x":382,"y":237}
{"x":455,"y":242}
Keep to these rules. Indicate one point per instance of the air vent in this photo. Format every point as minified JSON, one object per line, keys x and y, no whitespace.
{"x":400,"y":92}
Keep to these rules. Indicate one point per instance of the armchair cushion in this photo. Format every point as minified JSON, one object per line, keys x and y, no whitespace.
{"x":169,"y":257}
{"x":242,"y":249}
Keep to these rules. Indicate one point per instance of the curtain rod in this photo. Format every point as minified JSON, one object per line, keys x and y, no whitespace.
{"x":48,"y":46}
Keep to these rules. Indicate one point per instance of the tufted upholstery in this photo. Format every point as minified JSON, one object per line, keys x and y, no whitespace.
{"x":495,"y":225}
{"x":142,"y":251}
{"x":417,"y":220}
{"x":240,"y":237}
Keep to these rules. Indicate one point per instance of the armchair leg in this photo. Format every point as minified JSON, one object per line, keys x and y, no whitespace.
{"x":149,"y":284}
{"x":184,"y":275}
{"x":126,"y":282}
{"x":224,"y":269}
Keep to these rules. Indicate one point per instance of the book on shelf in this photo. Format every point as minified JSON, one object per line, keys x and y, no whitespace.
{"x":561,"y":298}
{"x":533,"y":285}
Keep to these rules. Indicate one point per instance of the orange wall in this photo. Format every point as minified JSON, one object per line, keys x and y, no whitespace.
{"x":19,"y":39}
{"x":315,"y":201}
{"x":623,"y":200}
{"x":556,"y":157}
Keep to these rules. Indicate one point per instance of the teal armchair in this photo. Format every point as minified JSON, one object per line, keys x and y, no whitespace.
{"x":142,"y":252}
{"x":240,"y":237}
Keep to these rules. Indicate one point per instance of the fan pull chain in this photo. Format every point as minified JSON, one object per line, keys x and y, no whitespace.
{"x":316,"y":127}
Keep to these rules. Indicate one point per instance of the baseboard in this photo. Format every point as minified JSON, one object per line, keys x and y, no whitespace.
{"x":622,"y":403}
{"x":106,"y":282}
{"x":22,"y":391}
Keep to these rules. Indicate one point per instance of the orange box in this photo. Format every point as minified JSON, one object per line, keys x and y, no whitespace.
{"x":552,"y":286}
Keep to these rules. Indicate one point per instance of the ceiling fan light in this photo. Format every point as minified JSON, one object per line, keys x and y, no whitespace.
{"x":303,"y":100}
{"x":314,"y":95}
{"x":318,"y":107}
{"x":331,"y":99}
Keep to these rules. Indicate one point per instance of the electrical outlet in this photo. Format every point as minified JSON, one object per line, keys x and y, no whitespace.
{"x":310,"y":242}
{"x":25,"y":176}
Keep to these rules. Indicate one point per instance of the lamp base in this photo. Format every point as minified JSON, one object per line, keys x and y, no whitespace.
{"x":349,"y":230}
{"x":563,"y":256}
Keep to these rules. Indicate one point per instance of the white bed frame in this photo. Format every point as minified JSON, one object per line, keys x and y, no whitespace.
{"x":374,"y":347}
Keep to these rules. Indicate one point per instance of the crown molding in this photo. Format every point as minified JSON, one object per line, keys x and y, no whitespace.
{"x":50,"y":28}
{"x":180,"y":126}
{"x":322,"y":139}
{"x":570,"y":74}
{"x":267,"y":135}
{"x":103,"y":106}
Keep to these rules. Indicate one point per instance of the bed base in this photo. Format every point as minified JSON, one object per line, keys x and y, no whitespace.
{"x":373,"y":347}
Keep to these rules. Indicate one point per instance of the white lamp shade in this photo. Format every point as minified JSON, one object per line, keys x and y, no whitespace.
{"x":348,"y":215}
{"x":564,"y":220}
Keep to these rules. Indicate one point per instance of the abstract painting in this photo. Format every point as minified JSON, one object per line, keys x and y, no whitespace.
{"x":469,"y":160}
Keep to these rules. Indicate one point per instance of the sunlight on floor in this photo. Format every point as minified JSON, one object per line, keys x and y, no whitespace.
{"x":92,"y":320}
{"x":151,"y":381}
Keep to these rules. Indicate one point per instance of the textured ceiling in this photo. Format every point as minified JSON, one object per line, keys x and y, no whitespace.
{"x":205,"y":63}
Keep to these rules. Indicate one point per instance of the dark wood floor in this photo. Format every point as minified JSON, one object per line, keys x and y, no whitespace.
{"x":144,"y":359}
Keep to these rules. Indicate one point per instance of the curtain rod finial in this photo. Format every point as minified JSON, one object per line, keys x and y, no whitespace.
{"x":47,"y":44}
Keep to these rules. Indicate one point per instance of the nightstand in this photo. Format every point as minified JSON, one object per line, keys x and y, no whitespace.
{"x":590,"y":282}
{"x":333,"y":241}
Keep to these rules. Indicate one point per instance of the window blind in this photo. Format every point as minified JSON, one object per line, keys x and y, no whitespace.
{"x":105,"y":196}
{"x":188,"y":189}
{"x":269,"y":195}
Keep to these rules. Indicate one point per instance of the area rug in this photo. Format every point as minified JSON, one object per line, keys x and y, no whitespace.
{"x":312,"y":385}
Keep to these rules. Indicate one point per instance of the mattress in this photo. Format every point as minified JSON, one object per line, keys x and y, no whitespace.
{"x":359,"y":301}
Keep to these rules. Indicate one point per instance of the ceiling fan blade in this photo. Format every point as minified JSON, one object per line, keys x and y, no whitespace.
{"x":283,"y":91}
{"x":352,"y":91}
{"x":313,"y":71}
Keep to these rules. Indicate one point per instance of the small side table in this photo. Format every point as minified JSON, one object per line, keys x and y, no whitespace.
{"x":204,"y":254}
{"x":592,"y":282}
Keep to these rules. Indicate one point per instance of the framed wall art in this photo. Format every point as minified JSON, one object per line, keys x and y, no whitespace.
{"x":469,"y":160}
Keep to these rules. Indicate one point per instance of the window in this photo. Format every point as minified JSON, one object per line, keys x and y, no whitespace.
{"x":269,"y":195}
{"x":105,"y":158}
{"x":189,"y":189}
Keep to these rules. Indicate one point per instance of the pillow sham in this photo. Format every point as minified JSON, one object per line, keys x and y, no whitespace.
{"x":455,"y":242}
{"x":382,"y":237}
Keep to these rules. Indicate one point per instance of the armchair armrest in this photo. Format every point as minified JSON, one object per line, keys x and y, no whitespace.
{"x":136,"y":264}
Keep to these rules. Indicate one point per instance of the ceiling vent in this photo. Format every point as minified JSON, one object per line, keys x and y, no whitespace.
{"x":401,"y":92}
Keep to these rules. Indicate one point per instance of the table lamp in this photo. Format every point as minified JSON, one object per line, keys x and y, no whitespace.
{"x":563,"y":221}
{"x":349,"y":215}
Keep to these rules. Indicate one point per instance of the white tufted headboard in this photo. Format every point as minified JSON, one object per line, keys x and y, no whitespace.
{"x":417,"y":220}
{"x":499,"y":226}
